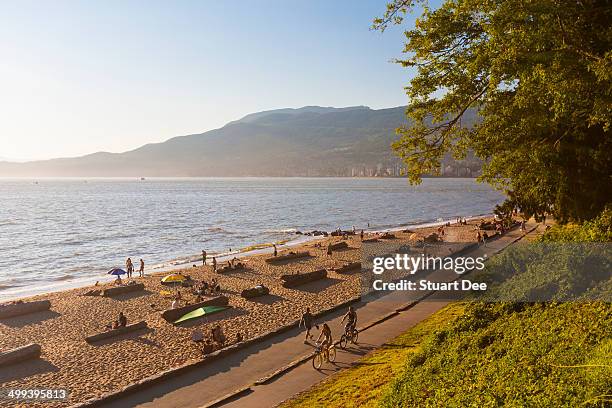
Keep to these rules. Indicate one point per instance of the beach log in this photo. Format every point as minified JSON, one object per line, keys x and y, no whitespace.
{"x":287,"y":257}
{"x":290,"y":281}
{"x":339,"y":245}
{"x":119,"y":290}
{"x":116,"y":332}
{"x":19,"y":354}
{"x":348,"y":267}
{"x":18,"y":309}
{"x":171,"y":315}
{"x":255,"y":292}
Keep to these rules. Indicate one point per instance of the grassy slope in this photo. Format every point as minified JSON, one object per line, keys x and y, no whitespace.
{"x":364,"y":384}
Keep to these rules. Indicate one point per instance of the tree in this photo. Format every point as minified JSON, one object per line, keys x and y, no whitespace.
{"x":537,"y":72}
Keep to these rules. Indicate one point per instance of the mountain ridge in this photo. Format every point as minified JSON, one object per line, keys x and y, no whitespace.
{"x":307,"y":141}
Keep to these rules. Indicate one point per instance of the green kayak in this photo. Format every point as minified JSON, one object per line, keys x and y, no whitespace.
{"x":201,"y":311}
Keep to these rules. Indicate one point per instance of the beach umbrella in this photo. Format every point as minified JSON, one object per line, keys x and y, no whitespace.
{"x":117,"y":271}
{"x":201,"y":311}
{"x":174,"y":278}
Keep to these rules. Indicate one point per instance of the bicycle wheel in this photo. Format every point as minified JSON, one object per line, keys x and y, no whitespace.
{"x":332,"y":354}
{"x":355,"y":336}
{"x":343,"y":341}
{"x":317,"y":360}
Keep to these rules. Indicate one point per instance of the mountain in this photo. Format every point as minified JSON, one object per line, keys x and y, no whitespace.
{"x":309,"y":141}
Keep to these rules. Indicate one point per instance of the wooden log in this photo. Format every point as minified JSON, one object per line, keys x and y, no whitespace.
{"x":20,"y":354}
{"x":287,"y":257}
{"x":171,"y":315}
{"x":116,"y":332}
{"x":348,"y":267}
{"x":120,"y":290}
{"x":17,"y":309}
{"x":290,"y":281}
{"x":339,"y":245}
{"x":256,"y":291}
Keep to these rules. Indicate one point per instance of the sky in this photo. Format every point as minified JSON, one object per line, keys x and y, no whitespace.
{"x":77,"y":77}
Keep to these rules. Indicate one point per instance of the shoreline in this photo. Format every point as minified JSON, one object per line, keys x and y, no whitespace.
{"x":10,"y":293}
{"x":90,"y":369}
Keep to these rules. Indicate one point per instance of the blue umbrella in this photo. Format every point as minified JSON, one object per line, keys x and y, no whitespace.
{"x":117,"y":271}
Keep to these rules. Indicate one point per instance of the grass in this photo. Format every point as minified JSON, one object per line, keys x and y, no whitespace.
{"x":364,"y":384}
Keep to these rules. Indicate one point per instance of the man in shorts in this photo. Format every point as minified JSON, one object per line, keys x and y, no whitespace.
{"x":306,"y":321}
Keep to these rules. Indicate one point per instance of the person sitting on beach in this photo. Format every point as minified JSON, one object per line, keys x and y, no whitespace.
{"x":217,"y":335}
{"x":118,"y":281}
{"x":239,"y":337}
{"x":306,"y":321}
{"x":197,"y":336}
{"x":179,"y":296}
{"x":122,"y":320}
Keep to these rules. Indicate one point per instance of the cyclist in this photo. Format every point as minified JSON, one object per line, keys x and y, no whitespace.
{"x":327,"y":339}
{"x":351,"y":322}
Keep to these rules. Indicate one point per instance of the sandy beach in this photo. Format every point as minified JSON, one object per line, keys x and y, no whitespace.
{"x":89,"y":371}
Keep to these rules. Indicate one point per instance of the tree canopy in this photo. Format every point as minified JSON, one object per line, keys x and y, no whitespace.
{"x":539,"y":75}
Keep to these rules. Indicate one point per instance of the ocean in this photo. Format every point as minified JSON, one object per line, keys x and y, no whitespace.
{"x":60,"y":233}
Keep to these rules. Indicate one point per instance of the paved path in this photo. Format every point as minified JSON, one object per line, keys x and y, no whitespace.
{"x":249,"y":365}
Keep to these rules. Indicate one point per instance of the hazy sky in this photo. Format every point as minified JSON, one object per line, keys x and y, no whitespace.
{"x":83,"y":76}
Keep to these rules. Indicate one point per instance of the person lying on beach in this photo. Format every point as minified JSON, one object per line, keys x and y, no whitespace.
{"x":122,"y":320}
{"x":306,"y":321}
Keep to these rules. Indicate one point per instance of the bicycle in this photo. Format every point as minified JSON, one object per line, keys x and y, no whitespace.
{"x":319,"y":356}
{"x":351,"y":336}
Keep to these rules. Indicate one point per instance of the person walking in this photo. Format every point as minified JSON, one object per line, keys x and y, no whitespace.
{"x":141,"y":270}
{"x":275,"y":250}
{"x":203,"y":257}
{"x":214,"y":264}
{"x":306,"y":321}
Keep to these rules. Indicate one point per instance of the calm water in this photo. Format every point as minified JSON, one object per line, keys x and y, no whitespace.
{"x":60,"y":233}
